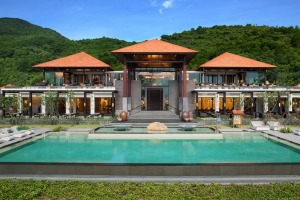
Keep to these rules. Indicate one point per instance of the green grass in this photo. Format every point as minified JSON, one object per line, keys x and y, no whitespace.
{"x":20,"y":189}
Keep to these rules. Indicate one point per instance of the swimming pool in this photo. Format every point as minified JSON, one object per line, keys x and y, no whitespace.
{"x":78,"y":148}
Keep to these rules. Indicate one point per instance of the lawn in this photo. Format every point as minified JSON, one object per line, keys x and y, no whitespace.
{"x":21,"y":189}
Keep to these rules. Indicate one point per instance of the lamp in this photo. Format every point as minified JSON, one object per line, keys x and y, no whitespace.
{"x":59,"y":75}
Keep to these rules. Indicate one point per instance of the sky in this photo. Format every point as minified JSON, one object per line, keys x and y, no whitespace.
{"x":140,"y":20}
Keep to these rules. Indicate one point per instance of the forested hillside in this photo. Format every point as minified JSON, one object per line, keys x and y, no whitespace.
{"x":23,"y":45}
{"x":279,"y":46}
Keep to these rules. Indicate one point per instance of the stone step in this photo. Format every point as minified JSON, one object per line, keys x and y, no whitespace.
{"x":154,"y":115}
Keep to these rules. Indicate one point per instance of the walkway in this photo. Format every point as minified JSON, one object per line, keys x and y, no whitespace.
{"x":37,"y":132}
{"x":285,"y":136}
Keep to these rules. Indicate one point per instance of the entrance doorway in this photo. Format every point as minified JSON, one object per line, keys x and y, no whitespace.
{"x":155,"y":99}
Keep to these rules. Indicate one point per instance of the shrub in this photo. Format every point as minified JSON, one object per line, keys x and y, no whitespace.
{"x":58,"y":129}
{"x":285,"y":130}
{"x":24,"y":127}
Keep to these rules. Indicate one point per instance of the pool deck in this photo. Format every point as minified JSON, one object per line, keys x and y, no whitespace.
{"x":290,"y":137}
{"x":37,"y":132}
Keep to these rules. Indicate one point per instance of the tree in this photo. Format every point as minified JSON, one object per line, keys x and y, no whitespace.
{"x":268,"y":100}
{"x":52,"y":100}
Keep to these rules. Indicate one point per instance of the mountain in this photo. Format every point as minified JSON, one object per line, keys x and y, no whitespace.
{"x":19,"y":27}
{"x":23,"y":45}
{"x":279,"y":46}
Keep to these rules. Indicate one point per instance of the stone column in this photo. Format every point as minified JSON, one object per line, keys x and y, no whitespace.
{"x":20,"y":102}
{"x":242,"y":103}
{"x":224,"y":103}
{"x":92,"y":103}
{"x":124,"y":102}
{"x":290,"y":102}
{"x":217,"y":102}
{"x":84,"y":104}
{"x":74,"y":106}
{"x":266,"y":104}
{"x":30,"y":104}
{"x":184,"y":87}
{"x":43,"y":104}
{"x":68,"y":104}
{"x":234,"y":103}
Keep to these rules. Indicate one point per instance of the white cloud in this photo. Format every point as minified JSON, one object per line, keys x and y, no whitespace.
{"x":161,"y":11}
{"x":167,"y":4}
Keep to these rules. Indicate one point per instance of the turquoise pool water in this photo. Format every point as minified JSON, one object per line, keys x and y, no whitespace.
{"x":77,"y":148}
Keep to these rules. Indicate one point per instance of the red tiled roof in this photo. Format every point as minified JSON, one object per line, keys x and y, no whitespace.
{"x":78,"y":60}
{"x":8,"y":85}
{"x":154,"y":46}
{"x":230,"y":60}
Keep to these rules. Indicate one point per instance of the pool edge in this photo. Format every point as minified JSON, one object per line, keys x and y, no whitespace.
{"x":207,"y":169}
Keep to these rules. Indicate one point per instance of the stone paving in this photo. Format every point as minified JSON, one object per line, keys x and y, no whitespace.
{"x":37,"y":132}
{"x":290,"y":137}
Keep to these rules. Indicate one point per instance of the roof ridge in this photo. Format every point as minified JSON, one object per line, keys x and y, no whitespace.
{"x":228,"y":59}
{"x":80,"y":59}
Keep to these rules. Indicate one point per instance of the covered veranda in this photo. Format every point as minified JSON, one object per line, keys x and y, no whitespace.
{"x":80,"y":69}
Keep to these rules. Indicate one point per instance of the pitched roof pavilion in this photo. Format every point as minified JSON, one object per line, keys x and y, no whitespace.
{"x":230,"y":60}
{"x":78,"y":60}
{"x":154,"y":46}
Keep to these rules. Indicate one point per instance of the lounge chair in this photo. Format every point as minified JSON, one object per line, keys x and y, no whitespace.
{"x":276,"y":126}
{"x":17,"y":129}
{"x":296,"y":131}
{"x":6,"y":136}
{"x":259,"y":126}
{"x":9,"y":132}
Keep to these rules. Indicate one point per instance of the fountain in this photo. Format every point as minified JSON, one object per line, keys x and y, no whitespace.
{"x":121,"y":127}
{"x":187,"y":127}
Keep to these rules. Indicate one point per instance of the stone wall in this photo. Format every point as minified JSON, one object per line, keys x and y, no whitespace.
{"x":174,"y":94}
{"x":190,"y":86}
{"x":119,"y":96}
{"x":136,"y":93}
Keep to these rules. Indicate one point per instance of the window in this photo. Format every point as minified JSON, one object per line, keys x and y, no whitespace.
{"x":255,"y":77}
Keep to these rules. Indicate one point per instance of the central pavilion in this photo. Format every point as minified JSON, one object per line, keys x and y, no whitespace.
{"x":155,"y":77}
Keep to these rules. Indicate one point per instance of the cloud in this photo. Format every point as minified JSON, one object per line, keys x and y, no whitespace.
{"x":167,"y":4}
{"x":161,"y":11}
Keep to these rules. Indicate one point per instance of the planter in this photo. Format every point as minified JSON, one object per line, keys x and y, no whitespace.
{"x":123,"y":116}
{"x":191,"y":116}
{"x":184,"y":115}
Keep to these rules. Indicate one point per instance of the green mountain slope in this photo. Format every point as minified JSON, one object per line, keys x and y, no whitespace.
{"x":23,"y":45}
{"x":279,"y":46}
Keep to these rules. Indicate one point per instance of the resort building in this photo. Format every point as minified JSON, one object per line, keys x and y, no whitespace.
{"x":155,"y":77}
